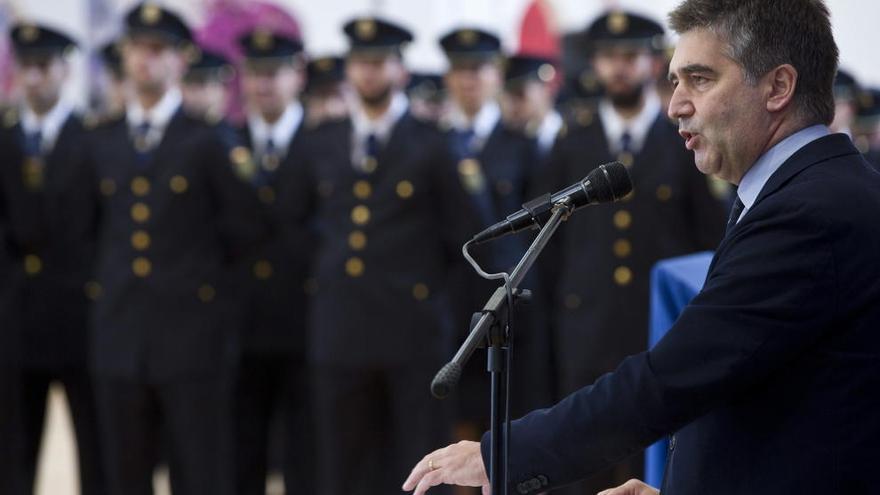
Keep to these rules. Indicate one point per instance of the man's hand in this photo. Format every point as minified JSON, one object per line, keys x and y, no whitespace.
{"x":458,"y":464}
{"x":631,"y":487}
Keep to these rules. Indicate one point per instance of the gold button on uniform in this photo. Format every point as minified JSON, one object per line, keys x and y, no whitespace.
{"x":664,"y":192}
{"x":33,"y":265}
{"x":354,"y":267}
{"x":266,"y":194}
{"x":362,"y":189}
{"x":206,"y":293}
{"x":468,"y":167}
{"x":140,"y":212}
{"x":404,"y":189}
{"x":626,"y":159}
{"x":178,"y":184}
{"x":370,"y":164}
{"x":141,"y":266}
{"x":357,"y":240}
{"x":420,"y":291}
{"x":622,"y":248}
{"x":572,"y":301}
{"x":140,"y":240}
{"x":140,"y":186}
{"x":622,"y":275}
{"x":622,"y":219}
{"x":107,"y":186}
{"x":360,"y":215}
{"x":263,"y":270}
{"x":93,"y":290}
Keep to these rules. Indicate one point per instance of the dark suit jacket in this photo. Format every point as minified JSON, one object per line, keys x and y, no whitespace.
{"x":386,"y":243}
{"x":771,"y":376}
{"x":42,"y":212}
{"x":169,"y":232}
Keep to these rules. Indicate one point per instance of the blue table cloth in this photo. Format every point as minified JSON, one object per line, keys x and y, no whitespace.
{"x":674,"y":282}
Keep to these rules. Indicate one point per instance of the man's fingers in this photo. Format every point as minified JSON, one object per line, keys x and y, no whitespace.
{"x":433,"y":478}
{"x":422,"y":468}
{"x":631,"y":487}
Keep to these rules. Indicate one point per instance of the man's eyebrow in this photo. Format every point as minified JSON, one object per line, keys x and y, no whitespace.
{"x":692,"y":69}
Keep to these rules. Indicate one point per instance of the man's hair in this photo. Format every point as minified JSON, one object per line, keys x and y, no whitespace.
{"x":762,"y":35}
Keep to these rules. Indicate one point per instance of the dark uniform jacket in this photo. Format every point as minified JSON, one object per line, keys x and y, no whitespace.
{"x":387,"y":242}
{"x":168,"y":232}
{"x":769,"y":376}
{"x":43,"y":215}
{"x":275,"y":274}
{"x":600,"y":279}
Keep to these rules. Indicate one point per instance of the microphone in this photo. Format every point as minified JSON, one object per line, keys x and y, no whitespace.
{"x":605,"y":184}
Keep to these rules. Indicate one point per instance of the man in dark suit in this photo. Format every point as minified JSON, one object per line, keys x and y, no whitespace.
{"x":495,"y":163}
{"x":530,"y":86}
{"x":41,"y":147}
{"x":390,"y":216}
{"x":272,"y":387}
{"x":769,"y":378}
{"x":172,"y":218}
{"x":599,"y":291}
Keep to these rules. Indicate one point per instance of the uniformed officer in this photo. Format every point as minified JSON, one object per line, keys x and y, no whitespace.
{"x":391,"y":217}
{"x":204,"y":86}
{"x":867,"y":125}
{"x":325,"y":92}
{"x":600,"y":285}
{"x":846,"y":102}
{"x":41,"y":145}
{"x":111,"y":98}
{"x":427,"y":96}
{"x":495,"y":164}
{"x":272,"y":385}
{"x":172,"y":219}
{"x":529,"y":96}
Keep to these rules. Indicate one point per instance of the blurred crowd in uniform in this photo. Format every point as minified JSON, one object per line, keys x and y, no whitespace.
{"x":274,"y":294}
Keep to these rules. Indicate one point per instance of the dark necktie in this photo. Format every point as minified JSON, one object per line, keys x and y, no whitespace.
{"x":372,"y":147}
{"x":464,"y":143}
{"x":33,"y":143}
{"x":142,"y":145}
{"x":626,"y":142}
{"x":735,"y":212}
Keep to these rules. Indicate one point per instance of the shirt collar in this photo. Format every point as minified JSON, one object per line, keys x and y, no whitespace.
{"x":638,"y":127}
{"x":281,"y":132}
{"x":382,"y":126}
{"x":158,"y":116}
{"x":754,"y":179}
{"x":482,"y":124}
{"x":547,"y":131}
{"x":49,"y":125}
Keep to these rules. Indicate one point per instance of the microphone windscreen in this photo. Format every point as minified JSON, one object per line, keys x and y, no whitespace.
{"x":609,"y":182}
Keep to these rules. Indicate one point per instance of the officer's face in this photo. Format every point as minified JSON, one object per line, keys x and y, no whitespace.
{"x":373,"y":76}
{"x":722,"y":117}
{"x":206,"y":98}
{"x":41,"y":79}
{"x":151,"y":63}
{"x":624,"y":71}
{"x":526,"y":103}
{"x":472,"y":83}
{"x":269,"y":87}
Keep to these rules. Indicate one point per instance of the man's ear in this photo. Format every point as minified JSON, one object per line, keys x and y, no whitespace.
{"x":782,"y":82}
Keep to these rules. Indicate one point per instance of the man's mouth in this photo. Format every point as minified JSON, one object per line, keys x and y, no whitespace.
{"x":689,"y":139}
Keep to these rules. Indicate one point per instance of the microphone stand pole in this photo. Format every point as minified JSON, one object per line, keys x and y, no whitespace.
{"x":492,"y":327}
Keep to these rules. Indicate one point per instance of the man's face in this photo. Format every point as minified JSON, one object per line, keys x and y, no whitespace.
{"x":151,"y":63}
{"x":471,"y":83}
{"x":269,"y":87}
{"x":526,"y":103}
{"x":206,"y":98}
{"x":722,"y":117}
{"x":624,"y":71}
{"x":41,"y":79}
{"x":374,"y":76}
